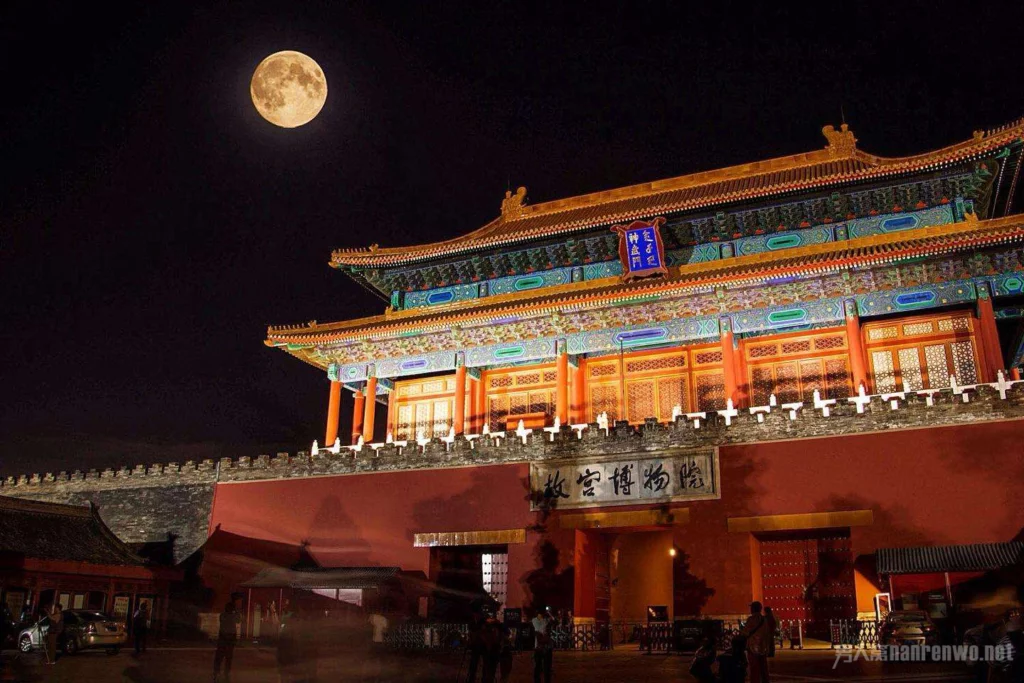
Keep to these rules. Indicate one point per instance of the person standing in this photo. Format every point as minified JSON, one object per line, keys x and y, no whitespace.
{"x":56,"y":616}
{"x":543,"y":647}
{"x":227,"y":636}
{"x":757,"y":632}
{"x":476,"y":641}
{"x":140,"y":627}
{"x":773,"y":629}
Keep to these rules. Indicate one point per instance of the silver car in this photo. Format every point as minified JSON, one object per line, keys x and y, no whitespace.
{"x":908,"y":627}
{"x":83,"y":630}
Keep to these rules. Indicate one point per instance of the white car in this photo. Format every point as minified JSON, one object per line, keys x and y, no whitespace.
{"x":83,"y":630}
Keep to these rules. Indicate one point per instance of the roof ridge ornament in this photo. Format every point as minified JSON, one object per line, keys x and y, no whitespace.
{"x":512,"y":204}
{"x":841,"y":143}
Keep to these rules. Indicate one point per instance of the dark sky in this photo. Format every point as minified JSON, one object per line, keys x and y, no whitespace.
{"x":152,"y":224}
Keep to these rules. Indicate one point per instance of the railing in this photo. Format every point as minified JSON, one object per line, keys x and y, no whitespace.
{"x":662,"y":637}
{"x":845,"y":633}
{"x":658,"y":637}
{"x":582,"y":637}
{"x":427,"y":636}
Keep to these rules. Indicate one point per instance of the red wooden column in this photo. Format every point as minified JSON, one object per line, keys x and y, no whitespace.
{"x":858,"y":366}
{"x":989,"y":334}
{"x":333,"y":412}
{"x":357,"y":416}
{"x":459,"y":418}
{"x":562,"y":384}
{"x":577,"y":413}
{"x":369,"y":409}
{"x":729,"y":362}
{"x":481,"y":402}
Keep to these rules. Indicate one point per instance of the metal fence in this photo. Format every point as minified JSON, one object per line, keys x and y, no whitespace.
{"x":427,"y":636}
{"x":845,"y":633}
{"x":658,"y":637}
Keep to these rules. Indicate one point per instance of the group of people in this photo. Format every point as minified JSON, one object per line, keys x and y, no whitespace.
{"x":749,"y":651}
{"x":490,"y":645}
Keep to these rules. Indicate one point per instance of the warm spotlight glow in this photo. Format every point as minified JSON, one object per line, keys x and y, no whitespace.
{"x":672,"y":552}
{"x":288,"y":89}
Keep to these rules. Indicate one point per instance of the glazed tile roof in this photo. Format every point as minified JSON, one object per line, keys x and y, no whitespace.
{"x":949,"y":558}
{"x":50,"y":531}
{"x":738,"y":271}
{"x":839,"y":163}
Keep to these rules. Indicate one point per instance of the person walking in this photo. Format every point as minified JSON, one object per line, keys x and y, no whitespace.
{"x":758,"y":634}
{"x":543,"y":647}
{"x":140,"y":627}
{"x":227,"y":636}
{"x":56,"y":616}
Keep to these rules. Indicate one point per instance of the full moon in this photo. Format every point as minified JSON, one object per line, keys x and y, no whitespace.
{"x":288,"y":89}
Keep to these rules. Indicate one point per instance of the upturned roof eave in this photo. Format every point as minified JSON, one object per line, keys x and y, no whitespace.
{"x":738,"y":271}
{"x":874,"y":167}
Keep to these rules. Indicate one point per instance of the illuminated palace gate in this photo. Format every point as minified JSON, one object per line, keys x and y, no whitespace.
{"x":809,"y":275}
{"x":808,"y":575}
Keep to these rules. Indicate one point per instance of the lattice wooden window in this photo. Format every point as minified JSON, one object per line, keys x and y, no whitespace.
{"x":937,"y":366}
{"x":966,"y":369}
{"x":885,"y":372}
{"x":604,"y":398}
{"x":501,"y":381}
{"x":707,"y":357}
{"x":811,"y":379}
{"x":640,"y":400}
{"x":497,"y":411}
{"x":837,"y":341}
{"x":763,"y":350}
{"x":837,"y":377}
{"x":910,"y":369}
{"x":787,"y":384}
{"x":797,"y":346}
{"x":762,"y":383}
{"x":921,"y":353}
{"x":710,"y":390}
{"x":542,"y":402}
{"x":672,"y":392}
{"x":603,"y":370}
{"x":526,"y":380}
{"x":662,"y":363}
{"x":403,"y":429}
{"x":518,"y":404}
{"x":442,"y":417}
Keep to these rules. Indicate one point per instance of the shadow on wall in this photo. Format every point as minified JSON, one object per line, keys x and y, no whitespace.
{"x":334,"y":539}
{"x":218,"y":567}
{"x":712,"y":564}
{"x":545,"y":585}
{"x":690,"y":593}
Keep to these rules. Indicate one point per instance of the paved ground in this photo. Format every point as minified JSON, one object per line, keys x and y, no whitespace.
{"x":257,"y":665}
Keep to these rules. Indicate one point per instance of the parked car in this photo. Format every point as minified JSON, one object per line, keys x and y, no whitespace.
{"x":908,"y":627}
{"x":83,"y":630}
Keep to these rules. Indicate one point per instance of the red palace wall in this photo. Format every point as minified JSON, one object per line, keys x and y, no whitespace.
{"x":924,"y":487}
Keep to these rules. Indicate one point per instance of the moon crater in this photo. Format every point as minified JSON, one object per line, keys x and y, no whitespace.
{"x":288,"y":88}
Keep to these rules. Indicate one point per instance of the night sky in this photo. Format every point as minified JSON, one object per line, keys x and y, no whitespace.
{"x":152,"y":224}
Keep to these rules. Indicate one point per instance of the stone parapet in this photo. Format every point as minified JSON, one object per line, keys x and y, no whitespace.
{"x":857,"y":415}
